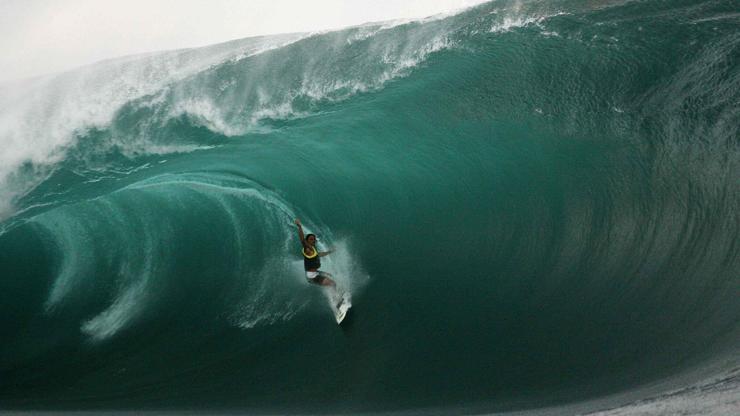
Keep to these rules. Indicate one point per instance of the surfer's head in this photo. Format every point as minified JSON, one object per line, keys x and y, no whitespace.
{"x":311,"y":239}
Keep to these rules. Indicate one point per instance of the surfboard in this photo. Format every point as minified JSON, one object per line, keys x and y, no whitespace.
{"x":340,"y":305}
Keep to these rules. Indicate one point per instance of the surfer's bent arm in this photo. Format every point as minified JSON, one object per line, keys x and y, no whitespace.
{"x":300,"y":231}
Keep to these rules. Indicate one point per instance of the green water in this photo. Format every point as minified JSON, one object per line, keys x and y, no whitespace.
{"x":532,"y":204}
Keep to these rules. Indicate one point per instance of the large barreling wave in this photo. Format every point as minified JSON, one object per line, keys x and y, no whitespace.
{"x":534,"y":205}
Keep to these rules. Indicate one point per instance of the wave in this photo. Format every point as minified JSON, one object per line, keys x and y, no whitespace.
{"x":228,"y":88}
{"x":533,"y":205}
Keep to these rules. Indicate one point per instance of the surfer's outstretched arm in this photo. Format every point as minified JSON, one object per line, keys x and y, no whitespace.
{"x":324,"y":253}
{"x":300,"y":231}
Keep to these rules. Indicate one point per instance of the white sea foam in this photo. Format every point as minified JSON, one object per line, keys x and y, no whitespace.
{"x":81,"y":256}
{"x":510,"y":23}
{"x":396,"y":64}
{"x":363,"y":32}
{"x":369,"y":30}
{"x":318,"y":82}
{"x":515,"y":21}
{"x":202,"y":110}
{"x":77,"y":262}
{"x":407,"y":61}
{"x":343,"y":266}
{"x":279,"y":41}
{"x":121,"y":312}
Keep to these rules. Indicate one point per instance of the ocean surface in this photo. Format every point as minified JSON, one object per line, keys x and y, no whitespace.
{"x":534,"y":204}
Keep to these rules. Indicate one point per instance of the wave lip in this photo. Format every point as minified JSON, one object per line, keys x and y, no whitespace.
{"x":229,"y":88}
{"x":41,"y":119}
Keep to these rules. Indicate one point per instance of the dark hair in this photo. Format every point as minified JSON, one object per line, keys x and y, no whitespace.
{"x":310,"y":235}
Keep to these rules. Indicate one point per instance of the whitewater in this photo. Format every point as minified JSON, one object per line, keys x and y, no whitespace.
{"x":534,"y":205}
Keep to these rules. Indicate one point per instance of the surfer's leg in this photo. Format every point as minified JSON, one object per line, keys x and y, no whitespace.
{"x":336,"y":295}
{"x":324,"y":279}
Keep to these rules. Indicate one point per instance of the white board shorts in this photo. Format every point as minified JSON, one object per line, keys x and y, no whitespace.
{"x":317,"y":277}
{"x":312,"y":275}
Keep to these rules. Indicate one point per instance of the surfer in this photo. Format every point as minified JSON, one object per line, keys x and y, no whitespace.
{"x":311,"y":259}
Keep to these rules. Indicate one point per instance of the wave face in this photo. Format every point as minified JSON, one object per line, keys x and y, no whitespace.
{"x":534,"y":204}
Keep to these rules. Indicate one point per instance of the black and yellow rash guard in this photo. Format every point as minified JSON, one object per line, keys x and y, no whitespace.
{"x":311,"y":262}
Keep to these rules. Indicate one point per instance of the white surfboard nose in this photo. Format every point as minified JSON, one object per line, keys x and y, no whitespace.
{"x":341,"y":307}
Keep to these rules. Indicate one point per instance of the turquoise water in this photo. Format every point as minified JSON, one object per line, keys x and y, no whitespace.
{"x":534,"y":204}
